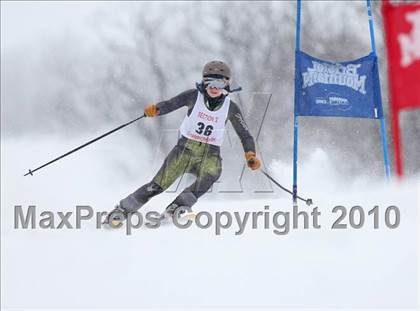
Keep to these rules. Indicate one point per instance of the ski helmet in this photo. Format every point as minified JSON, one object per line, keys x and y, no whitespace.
{"x":216,"y":68}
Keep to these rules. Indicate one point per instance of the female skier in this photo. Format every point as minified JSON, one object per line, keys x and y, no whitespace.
{"x":198,"y":149}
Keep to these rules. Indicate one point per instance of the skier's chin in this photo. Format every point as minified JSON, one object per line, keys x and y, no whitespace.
{"x":214,"y":93}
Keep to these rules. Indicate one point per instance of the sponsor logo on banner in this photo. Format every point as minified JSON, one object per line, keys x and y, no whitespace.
{"x":336,"y":100}
{"x":335,"y":74}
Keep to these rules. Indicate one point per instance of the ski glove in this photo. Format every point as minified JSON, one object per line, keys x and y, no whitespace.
{"x":151,"y":110}
{"x":252,"y":161}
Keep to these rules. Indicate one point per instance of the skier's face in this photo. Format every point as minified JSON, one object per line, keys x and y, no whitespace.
{"x":214,"y":92}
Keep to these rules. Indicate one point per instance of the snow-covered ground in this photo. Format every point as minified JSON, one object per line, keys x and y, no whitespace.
{"x":171,"y":268}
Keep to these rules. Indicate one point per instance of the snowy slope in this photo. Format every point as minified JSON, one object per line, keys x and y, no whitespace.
{"x":173,"y":268}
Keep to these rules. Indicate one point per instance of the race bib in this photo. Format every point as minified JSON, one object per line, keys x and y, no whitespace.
{"x":204,"y":125}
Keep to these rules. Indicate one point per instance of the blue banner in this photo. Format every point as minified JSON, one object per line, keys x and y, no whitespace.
{"x":337,"y":89}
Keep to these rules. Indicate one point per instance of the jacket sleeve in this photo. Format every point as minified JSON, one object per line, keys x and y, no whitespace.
{"x":186,"y":98}
{"x":238,"y":123}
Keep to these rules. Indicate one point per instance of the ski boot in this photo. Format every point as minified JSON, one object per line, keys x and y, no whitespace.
{"x":120,"y":213}
{"x":116,"y":217}
{"x":183,"y":213}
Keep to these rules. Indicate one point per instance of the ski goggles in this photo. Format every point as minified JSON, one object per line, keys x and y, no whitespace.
{"x":215,"y":83}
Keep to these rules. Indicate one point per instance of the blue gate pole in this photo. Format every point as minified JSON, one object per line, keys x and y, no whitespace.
{"x":385,"y":147}
{"x":295,"y":115}
{"x":382,"y":119}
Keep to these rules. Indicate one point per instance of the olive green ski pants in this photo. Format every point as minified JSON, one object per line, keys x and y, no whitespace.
{"x":188,"y":156}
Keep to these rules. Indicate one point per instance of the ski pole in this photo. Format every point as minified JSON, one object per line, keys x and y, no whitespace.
{"x":84,"y":145}
{"x":307,"y":201}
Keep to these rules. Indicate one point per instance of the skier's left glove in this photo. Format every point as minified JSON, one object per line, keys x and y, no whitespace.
{"x":151,"y":110}
{"x":252,"y":161}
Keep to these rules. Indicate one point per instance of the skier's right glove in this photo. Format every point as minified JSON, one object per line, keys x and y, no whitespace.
{"x":252,"y":161}
{"x":151,"y":110}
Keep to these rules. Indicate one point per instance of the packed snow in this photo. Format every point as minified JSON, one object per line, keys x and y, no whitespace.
{"x":195,"y":268}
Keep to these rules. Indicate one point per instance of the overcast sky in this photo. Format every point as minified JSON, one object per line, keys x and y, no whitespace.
{"x":29,"y":22}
